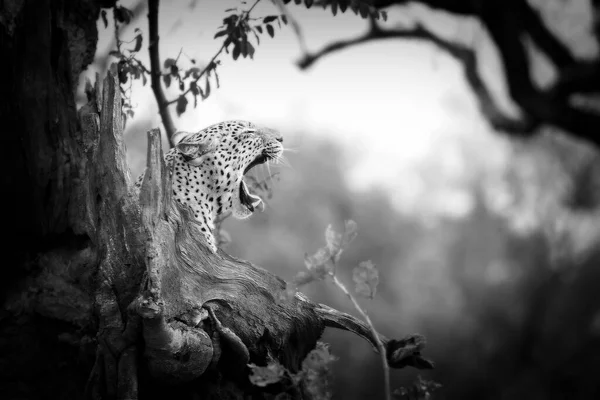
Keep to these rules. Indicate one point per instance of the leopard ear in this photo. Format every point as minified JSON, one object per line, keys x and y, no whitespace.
{"x":191,"y":148}
{"x":179,"y":136}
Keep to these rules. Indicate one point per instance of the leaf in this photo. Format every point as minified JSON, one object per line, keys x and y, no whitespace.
{"x":337,"y":242}
{"x":244,"y":48}
{"x":320,"y":357}
{"x":138,"y":43}
{"x":350,"y":232}
{"x":264,"y":376}
{"x":320,"y":264}
{"x":194,"y":88}
{"x":195,"y":71}
{"x":220,"y":33}
{"x":167,"y":80}
{"x":123,"y":70}
{"x":302,"y":278}
{"x":123,"y":14}
{"x":236,"y":51}
{"x":269,"y":18}
{"x":333,"y":240}
{"x":270,"y":30}
{"x":136,"y":71}
{"x":316,"y":372}
{"x":407,"y":352}
{"x":250,"y":49}
{"x":182,"y":103}
{"x":334,"y":8}
{"x":169,"y":62}
{"x":284,"y":19}
{"x":343,"y":6}
{"x":258,"y":28}
{"x":384,"y":15}
{"x":116,"y":53}
{"x":308,"y":3}
{"x":366,"y":278}
{"x":104,"y":18}
{"x":181,"y":87}
{"x":144,"y":79}
{"x":207,"y":93}
{"x":217,"y":79}
{"x":174,"y":70}
{"x":364,"y":10}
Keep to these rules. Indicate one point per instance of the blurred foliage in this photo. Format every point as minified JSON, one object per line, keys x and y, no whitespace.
{"x":314,"y":377}
{"x":509,"y":305}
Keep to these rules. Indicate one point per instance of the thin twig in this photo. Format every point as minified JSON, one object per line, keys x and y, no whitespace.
{"x":380,"y":346}
{"x":159,"y":94}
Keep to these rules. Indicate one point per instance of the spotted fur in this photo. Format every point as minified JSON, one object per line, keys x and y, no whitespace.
{"x":207,"y":168}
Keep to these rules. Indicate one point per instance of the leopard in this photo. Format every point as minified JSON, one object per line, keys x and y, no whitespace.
{"x":208,"y":167}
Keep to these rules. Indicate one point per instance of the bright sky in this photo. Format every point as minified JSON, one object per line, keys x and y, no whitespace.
{"x":393,"y":105}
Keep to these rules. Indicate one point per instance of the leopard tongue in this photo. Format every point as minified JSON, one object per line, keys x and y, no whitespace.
{"x":248,"y":199}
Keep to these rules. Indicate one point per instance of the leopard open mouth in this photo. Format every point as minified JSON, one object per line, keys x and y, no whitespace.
{"x":249,"y":200}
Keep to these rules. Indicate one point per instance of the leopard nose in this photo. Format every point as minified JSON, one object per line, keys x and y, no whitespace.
{"x":271,"y":134}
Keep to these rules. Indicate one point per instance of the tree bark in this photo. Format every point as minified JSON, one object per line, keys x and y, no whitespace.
{"x":109,"y":293}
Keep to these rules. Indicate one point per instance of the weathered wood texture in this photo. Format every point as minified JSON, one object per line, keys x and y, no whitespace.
{"x":168,"y":287}
{"x":103,"y":298}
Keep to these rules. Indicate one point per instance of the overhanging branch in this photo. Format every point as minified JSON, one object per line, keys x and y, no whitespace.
{"x":508,"y":23}
{"x":506,"y":27}
{"x":466,"y":56}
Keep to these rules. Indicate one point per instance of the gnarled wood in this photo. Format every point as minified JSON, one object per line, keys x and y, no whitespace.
{"x":82,"y":252}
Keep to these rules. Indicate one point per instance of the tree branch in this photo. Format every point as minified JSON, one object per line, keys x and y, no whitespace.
{"x":506,"y":30}
{"x":507,"y":23}
{"x":159,"y":94}
{"x":497,"y":118}
{"x":560,"y":54}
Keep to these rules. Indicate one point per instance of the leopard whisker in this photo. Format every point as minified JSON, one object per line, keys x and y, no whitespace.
{"x":283,"y":161}
{"x":270,"y":174}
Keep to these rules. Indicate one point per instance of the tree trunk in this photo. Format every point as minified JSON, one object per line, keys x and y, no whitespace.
{"x":107,"y":292}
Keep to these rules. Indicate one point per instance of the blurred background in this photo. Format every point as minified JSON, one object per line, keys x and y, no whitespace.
{"x":486,"y":245}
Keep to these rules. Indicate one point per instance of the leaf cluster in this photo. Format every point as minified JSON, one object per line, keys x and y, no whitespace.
{"x":363,"y":8}
{"x":315,"y":375}
{"x":129,"y":67}
{"x":237,"y":27}
{"x":235,"y":31}
{"x":322,"y":264}
{"x":188,"y":80}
